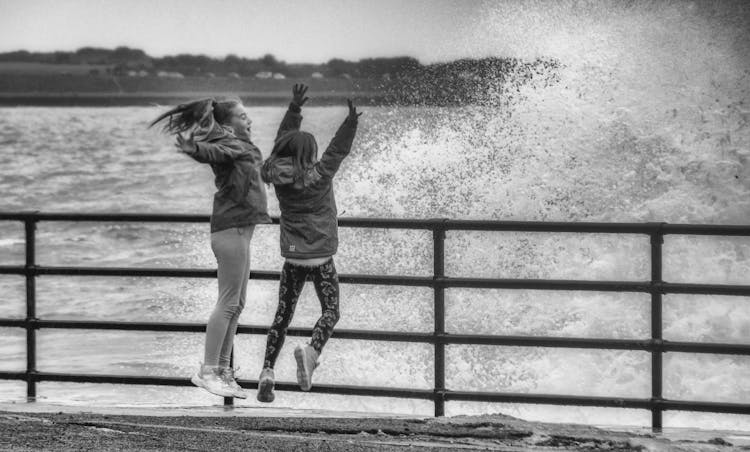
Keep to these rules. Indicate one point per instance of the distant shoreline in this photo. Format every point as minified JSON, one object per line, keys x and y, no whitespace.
{"x":110,"y":99}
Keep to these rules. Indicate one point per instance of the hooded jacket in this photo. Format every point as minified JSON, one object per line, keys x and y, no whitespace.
{"x":240,"y":199}
{"x":308,"y":222}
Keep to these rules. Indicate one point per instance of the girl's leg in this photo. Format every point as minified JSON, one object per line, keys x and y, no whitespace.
{"x":231,"y":255}
{"x":226,"y":346}
{"x":327,"y":287}
{"x":290,"y":286}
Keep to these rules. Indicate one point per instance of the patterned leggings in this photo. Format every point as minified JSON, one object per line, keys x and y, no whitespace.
{"x":293,"y":278}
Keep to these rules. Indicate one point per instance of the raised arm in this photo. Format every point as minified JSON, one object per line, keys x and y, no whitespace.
{"x":293,"y":119}
{"x":340,"y":145}
{"x":220,"y":151}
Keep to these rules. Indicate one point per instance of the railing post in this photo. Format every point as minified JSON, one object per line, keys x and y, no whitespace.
{"x":657,"y":240}
{"x":30,"y":272}
{"x":438,"y":238}
{"x":229,"y":401}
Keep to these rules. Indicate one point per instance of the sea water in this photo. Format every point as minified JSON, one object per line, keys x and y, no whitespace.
{"x":647,"y":120}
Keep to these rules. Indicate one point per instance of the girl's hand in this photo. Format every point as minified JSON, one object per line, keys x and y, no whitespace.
{"x":353,"y":115}
{"x":298,"y":94}
{"x":186,"y":146}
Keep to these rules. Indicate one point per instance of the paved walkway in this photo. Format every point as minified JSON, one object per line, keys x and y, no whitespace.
{"x":40,"y":426}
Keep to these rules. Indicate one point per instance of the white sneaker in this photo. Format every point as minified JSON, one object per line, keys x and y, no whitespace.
{"x":227,"y":374}
{"x":209,"y":379}
{"x":265,"y":386}
{"x":307,"y":361}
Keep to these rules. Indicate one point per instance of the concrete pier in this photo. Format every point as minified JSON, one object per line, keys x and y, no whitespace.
{"x":41,"y":426}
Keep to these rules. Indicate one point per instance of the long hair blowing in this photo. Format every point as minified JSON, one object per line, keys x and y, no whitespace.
{"x":300,"y":146}
{"x":197,"y":113}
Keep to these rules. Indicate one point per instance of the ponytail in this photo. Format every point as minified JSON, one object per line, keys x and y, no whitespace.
{"x":197,"y":113}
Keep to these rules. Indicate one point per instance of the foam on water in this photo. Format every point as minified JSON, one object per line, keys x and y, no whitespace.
{"x":645,"y":117}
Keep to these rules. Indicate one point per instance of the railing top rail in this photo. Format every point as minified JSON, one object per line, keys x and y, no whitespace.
{"x":415,"y":223}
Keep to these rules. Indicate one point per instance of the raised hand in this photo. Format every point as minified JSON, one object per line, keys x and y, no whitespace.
{"x":353,"y":115}
{"x":186,"y":145}
{"x":298,"y":94}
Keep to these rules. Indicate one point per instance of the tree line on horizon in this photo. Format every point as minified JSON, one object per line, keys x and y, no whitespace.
{"x":403,"y":78}
{"x":123,"y":59}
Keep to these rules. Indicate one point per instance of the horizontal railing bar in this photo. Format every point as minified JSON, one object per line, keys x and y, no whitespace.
{"x":609,"y":402}
{"x":416,"y":223}
{"x":125,"y":271}
{"x":598,"y":286}
{"x":13,"y":323}
{"x":706,"y":229}
{"x":404,"y":393}
{"x":546,"y":284}
{"x":598,"y":343}
{"x":703,"y":289}
{"x":548,"y":399}
{"x":709,"y":407}
{"x":705,"y":347}
{"x":426,"y":394}
{"x":553,"y":342}
{"x":6,"y":375}
{"x":421,"y":281}
{"x":250,"y":384}
{"x":12,"y":270}
{"x":399,"y":336}
{"x":553,"y":227}
{"x":391,"y":336}
{"x":211,"y":273}
{"x":106,"y":217}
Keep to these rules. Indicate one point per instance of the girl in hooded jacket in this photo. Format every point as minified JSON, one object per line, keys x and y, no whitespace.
{"x":309,"y":239}
{"x":220,"y":137}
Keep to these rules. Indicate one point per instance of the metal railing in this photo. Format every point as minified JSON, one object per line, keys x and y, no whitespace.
{"x":439,"y":338}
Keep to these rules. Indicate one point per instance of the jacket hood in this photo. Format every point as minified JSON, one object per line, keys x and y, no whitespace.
{"x":291,"y":152}
{"x":279,"y":171}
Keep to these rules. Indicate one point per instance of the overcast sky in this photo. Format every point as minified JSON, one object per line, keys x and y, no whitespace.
{"x":293,"y":30}
{"x":315,"y":31}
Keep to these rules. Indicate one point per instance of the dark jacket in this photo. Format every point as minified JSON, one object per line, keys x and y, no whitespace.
{"x":241,"y":196}
{"x":308,"y":224}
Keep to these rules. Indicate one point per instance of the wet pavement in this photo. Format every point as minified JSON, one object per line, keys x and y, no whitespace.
{"x":40,"y":426}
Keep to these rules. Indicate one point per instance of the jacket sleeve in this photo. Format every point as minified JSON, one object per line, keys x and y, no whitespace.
{"x":292,"y":120}
{"x":221,"y":151}
{"x":338,"y":149}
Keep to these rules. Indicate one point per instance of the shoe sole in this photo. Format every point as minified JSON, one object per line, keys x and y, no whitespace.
{"x":240,"y":395}
{"x":303,"y":377}
{"x":196,"y":380}
{"x":265,"y":391}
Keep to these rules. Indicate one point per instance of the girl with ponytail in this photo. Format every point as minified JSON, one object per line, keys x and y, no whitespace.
{"x":218,"y":133}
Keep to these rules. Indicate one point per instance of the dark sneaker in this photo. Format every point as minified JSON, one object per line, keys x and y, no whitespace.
{"x":265,"y":386}
{"x":307,"y":361}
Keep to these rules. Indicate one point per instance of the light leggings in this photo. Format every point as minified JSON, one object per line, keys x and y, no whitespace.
{"x":232,"y":250}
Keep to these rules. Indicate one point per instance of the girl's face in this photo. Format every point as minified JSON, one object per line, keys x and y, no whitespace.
{"x":240,"y":121}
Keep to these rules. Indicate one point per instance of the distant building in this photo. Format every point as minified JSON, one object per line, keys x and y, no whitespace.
{"x":143,"y":73}
{"x":264,"y":74}
{"x":132,"y":73}
{"x":210,"y":75}
{"x":279,"y":76}
{"x":233,"y":75}
{"x":316,"y":75}
{"x":346,"y":76}
{"x":165,"y":74}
